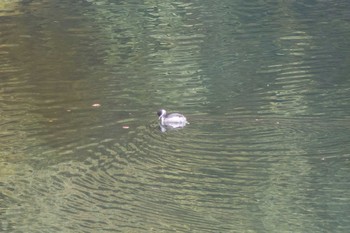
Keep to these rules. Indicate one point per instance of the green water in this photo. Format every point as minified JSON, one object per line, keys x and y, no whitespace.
{"x":264,"y":85}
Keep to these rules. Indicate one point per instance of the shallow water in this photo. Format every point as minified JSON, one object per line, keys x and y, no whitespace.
{"x":264,"y":86}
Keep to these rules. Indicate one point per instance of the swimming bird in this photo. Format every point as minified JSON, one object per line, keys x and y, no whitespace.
{"x":171,"y":120}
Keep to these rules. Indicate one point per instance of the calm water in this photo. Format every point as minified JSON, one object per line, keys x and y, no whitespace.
{"x":264,"y":84}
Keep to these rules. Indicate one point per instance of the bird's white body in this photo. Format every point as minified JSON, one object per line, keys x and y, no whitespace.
{"x":171,"y":120}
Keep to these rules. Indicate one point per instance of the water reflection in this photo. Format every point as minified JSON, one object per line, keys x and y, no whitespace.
{"x":264,"y":86}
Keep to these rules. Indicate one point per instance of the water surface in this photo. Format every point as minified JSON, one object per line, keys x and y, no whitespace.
{"x":264,"y":85}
